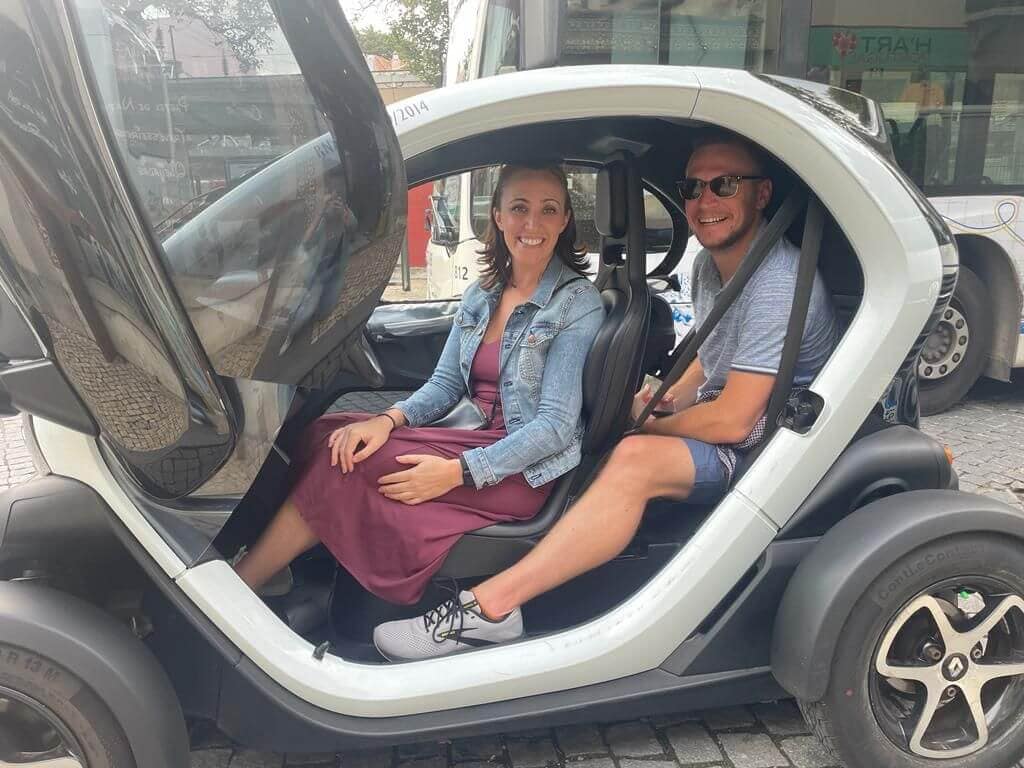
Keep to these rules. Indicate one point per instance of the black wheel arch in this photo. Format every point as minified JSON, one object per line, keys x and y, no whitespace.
{"x":53,"y":526}
{"x":106,"y":657}
{"x":845,"y":562}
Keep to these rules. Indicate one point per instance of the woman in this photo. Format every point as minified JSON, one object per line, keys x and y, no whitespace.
{"x":389,"y":495}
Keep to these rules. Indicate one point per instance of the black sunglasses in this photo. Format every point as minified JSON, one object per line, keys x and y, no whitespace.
{"x":723,"y":186}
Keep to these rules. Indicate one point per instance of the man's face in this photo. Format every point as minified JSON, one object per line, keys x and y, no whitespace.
{"x":721,"y":222}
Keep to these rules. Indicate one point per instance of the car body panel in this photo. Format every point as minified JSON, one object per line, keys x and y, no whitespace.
{"x":632,"y":638}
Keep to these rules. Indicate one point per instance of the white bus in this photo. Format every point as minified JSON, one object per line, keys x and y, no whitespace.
{"x":948,"y":74}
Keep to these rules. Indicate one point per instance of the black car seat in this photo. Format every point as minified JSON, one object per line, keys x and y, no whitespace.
{"x":610,"y":377}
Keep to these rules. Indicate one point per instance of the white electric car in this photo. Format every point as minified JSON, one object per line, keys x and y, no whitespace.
{"x":165,"y":379}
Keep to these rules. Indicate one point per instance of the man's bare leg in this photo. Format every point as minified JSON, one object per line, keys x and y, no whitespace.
{"x":287,"y":537}
{"x":598,"y":526}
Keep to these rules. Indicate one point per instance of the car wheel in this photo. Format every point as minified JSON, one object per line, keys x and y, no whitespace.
{"x":49,"y":718}
{"x":929,"y":666}
{"x":954,"y":354}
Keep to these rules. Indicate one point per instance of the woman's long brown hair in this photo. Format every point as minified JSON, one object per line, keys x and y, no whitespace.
{"x":495,"y":257}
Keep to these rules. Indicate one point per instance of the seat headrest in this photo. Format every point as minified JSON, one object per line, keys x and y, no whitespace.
{"x":610,"y":205}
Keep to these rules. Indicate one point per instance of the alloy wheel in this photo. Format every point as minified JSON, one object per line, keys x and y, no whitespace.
{"x":32,"y":736}
{"x":948,"y":674}
{"x":944,"y":349}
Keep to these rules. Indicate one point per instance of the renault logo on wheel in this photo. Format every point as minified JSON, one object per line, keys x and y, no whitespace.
{"x":955,"y":667}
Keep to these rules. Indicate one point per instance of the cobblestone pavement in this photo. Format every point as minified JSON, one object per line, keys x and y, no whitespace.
{"x":985,"y":433}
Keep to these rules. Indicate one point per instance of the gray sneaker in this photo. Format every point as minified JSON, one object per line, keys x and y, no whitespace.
{"x":454,"y":626}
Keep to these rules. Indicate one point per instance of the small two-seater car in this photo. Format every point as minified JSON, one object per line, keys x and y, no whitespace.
{"x":166,"y":371}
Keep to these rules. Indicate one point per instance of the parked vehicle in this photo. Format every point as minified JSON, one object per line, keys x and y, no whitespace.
{"x":165,"y":383}
{"x":946,"y":74}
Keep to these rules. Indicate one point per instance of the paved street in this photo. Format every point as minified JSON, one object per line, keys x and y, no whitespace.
{"x":985,"y":433}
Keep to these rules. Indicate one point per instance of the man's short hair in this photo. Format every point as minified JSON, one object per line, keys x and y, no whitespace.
{"x":708,"y":136}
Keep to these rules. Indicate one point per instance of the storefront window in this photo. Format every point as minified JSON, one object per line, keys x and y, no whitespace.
{"x":949,"y":75}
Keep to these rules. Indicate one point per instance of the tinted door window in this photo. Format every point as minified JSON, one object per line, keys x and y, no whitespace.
{"x":281,"y":217}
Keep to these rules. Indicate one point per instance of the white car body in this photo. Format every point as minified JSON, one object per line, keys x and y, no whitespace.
{"x":903,"y":268}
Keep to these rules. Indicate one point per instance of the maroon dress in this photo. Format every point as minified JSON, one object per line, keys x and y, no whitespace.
{"x":392,"y":548}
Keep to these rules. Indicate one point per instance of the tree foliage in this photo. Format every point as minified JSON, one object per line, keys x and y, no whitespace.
{"x":245,"y":25}
{"x":418,"y":34}
{"x":372,"y":40}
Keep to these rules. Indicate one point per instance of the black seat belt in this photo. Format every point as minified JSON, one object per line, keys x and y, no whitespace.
{"x":686,"y":351}
{"x":810,"y":248}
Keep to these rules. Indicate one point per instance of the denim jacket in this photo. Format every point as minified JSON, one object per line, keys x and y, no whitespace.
{"x":543,"y":350}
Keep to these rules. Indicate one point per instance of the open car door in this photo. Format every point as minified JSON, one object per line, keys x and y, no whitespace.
{"x":188,"y":242}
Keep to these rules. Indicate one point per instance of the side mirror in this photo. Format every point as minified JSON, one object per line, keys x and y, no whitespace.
{"x":442,"y":228}
{"x":541,"y":32}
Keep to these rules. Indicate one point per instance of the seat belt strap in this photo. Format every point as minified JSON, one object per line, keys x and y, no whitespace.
{"x":810,"y":248}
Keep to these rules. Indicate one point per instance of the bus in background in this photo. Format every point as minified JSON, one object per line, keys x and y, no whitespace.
{"x":948,"y":74}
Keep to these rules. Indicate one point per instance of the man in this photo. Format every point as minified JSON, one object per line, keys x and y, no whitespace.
{"x":689,"y":455}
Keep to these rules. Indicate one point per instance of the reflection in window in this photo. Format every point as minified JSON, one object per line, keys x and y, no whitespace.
{"x":500,"y":47}
{"x":242,"y":181}
{"x":482,"y":184}
{"x":459,"y":60}
{"x":1004,"y":150}
{"x":713,"y":33}
{"x":612,"y":32}
{"x":719,"y":33}
{"x":950,"y":82}
{"x":190,"y":116}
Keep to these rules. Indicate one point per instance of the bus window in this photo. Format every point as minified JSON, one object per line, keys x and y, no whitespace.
{"x":950,"y":83}
{"x":446,"y":201}
{"x":500,"y":47}
{"x":612,"y":32}
{"x":483,"y":181}
{"x":461,"y":38}
{"x":718,"y":33}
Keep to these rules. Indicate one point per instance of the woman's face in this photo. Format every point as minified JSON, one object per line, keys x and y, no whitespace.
{"x":532,"y":215}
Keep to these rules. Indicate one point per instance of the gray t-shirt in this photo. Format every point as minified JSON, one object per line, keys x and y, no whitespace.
{"x":750,"y":335}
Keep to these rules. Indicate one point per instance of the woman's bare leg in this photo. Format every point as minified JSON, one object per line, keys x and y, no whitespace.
{"x":287,"y":537}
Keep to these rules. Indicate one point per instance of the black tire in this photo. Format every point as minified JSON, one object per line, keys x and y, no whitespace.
{"x":846,"y":720}
{"x":971,"y":299}
{"x":47,"y":692}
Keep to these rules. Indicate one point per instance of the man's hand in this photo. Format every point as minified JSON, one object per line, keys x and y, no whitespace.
{"x":344,"y":442}
{"x":429,"y":477}
{"x":727,"y":419}
{"x":643,"y":397}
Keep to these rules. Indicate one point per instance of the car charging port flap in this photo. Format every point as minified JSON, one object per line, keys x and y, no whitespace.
{"x":801,"y":410}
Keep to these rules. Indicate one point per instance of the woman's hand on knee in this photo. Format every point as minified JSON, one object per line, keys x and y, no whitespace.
{"x":354,"y":442}
{"x":428,"y":478}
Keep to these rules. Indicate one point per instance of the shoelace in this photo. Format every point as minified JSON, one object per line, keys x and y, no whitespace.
{"x":446,"y":616}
